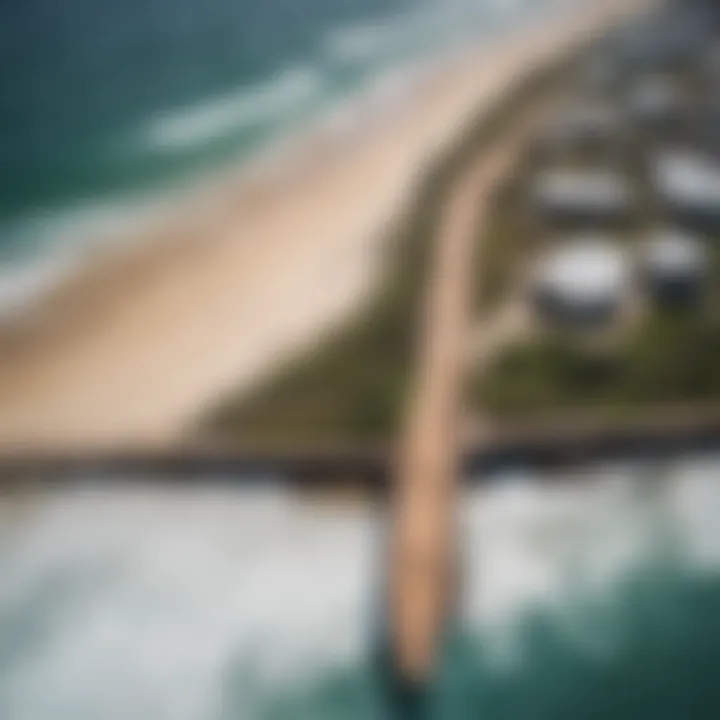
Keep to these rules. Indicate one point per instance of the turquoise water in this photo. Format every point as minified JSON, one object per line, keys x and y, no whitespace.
{"x":661,"y":662}
{"x":103,"y":101}
{"x":591,"y":599}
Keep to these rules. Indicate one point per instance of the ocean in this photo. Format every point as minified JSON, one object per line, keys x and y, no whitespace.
{"x":594,"y":596}
{"x":104,"y":104}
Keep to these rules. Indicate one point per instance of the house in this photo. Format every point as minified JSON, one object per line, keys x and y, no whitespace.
{"x":687,"y":184}
{"x":583,"y":127}
{"x":589,"y":198}
{"x":655,"y":104}
{"x":674,"y":266}
{"x":582,"y":282}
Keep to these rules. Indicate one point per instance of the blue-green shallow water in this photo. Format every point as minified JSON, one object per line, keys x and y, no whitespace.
{"x":663,"y":665}
{"x":83,"y":80}
{"x":591,"y":599}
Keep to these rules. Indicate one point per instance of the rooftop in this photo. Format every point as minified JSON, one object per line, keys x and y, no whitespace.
{"x":588,"y":269}
{"x":688,"y":177}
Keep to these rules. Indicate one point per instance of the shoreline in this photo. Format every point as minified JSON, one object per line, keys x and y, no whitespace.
{"x":549,"y":444}
{"x":136,"y":346}
{"x":105,"y":227}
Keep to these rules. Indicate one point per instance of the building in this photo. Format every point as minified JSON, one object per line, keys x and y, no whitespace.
{"x":586,"y":198}
{"x":688,"y":187}
{"x":655,"y":104}
{"x":667,"y":40}
{"x":582,"y":282}
{"x":581,"y":128}
{"x":709,"y":125}
{"x":674,"y":266}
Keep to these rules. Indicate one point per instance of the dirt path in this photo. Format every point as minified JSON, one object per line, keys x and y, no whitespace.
{"x":422,"y":551}
{"x":426,"y":472}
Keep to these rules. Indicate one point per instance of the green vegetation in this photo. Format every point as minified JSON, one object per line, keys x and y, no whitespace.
{"x":671,"y":357}
{"x":353,"y":389}
{"x":506,"y":239}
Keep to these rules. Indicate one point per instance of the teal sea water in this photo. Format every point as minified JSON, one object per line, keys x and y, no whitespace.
{"x":595,"y":598}
{"x":663,"y":666}
{"x":103,"y":102}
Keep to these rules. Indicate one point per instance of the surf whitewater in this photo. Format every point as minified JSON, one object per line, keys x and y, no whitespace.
{"x":594,"y":598}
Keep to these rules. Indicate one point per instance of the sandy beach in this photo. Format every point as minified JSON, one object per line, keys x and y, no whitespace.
{"x":247,"y":272}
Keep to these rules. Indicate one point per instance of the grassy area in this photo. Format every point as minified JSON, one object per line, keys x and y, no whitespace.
{"x":671,"y":357}
{"x":507,"y":238}
{"x":353,"y":389}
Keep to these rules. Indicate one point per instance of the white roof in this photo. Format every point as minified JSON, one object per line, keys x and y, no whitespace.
{"x":595,"y":188}
{"x":673,"y":252}
{"x":688,"y":177}
{"x":587,"y":270}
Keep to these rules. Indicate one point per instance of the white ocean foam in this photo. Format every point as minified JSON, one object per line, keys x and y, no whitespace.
{"x":23,"y":283}
{"x":531,"y":544}
{"x":430,"y":26}
{"x":55,"y":242}
{"x":374,"y":100}
{"x":390,"y":39}
{"x":173,"y":590}
{"x":161,"y":595}
{"x":224,"y":115}
{"x":359,"y":42}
